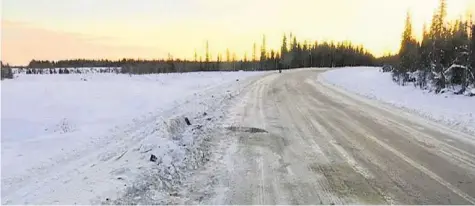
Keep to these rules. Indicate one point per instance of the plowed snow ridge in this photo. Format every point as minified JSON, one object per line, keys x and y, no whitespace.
{"x":453,"y":110}
{"x":82,"y":138}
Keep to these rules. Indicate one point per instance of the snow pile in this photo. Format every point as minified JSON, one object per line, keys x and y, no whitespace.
{"x":454,"y":110}
{"x":66,"y":140}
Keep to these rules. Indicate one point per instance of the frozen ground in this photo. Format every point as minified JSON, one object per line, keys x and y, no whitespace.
{"x":82,"y":138}
{"x":456,"y":111}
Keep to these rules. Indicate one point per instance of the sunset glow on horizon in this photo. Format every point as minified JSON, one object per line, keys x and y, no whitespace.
{"x":150,"y":29}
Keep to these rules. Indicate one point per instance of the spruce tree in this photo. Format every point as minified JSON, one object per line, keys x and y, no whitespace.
{"x":218,"y":62}
{"x":207,"y":57}
{"x":196,"y":56}
{"x":263,"y":57}
{"x":438,"y":31}
{"x":407,"y":52}
{"x":472,"y":48}
{"x":254,"y":47}
{"x":283,"y":48}
{"x":472,"y":54}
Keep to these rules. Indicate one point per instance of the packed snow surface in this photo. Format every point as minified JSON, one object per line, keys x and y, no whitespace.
{"x":77,"y":138}
{"x":457,"y":111}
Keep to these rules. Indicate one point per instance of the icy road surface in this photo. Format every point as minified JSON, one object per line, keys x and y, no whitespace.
{"x":292,"y":139}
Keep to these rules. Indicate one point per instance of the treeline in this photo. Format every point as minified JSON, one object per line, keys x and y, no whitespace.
{"x":291,"y":54}
{"x":77,"y":63}
{"x":324,"y":54}
{"x":6,"y":71}
{"x":443,"y":60}
{"x":81,"y":70}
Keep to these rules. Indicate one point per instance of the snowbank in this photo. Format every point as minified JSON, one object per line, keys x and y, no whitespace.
{"x":454,"y":110}
{"x":79,"y":137}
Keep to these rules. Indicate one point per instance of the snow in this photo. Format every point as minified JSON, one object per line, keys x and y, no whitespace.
{"x":457,"y":111}
{"x":77,"y":138}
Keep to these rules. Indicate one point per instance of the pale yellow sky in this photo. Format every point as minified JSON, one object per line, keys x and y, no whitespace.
{"x":60,"y":29}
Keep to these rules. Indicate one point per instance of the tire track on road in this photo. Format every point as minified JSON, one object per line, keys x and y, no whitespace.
{"x":322,"y":147}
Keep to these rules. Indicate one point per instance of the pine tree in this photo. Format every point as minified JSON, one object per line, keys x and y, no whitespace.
{"x":201,"y":63}
{"x":438,"y":31}
{"x":234,"y":61}
{"x":263,"y":56}
{"x":263,"y":49}
{"x":284,"y":53}
{"x":472,"y":48}
{"x":283,"y":49}
{"x":207,"y":57}
{"x":254,"y":47}
{"x":290,"y":41}
{"x":218,"y":61}
{"x":273,"y":59}
{"x":472,"y":54}
{"x":294,"y":53}
{"x":407,"y":52}
{"x":196,"y":56}
{"x":228,"y":55}
{"x":424,"y":61}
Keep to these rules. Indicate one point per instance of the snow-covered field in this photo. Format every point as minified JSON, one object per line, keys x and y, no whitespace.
{"x":457,"y":111}
{"x":78,"y":138}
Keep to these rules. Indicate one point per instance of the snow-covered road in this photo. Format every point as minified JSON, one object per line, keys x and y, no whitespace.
{"x":294,"y":140}
{"x":77,"y":138}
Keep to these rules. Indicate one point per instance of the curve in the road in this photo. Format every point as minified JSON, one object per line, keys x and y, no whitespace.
{"x":322,"y":146}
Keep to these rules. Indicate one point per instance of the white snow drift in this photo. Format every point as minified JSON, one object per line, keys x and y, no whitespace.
{"x":77,"y":138}
{"x":457,"y":111}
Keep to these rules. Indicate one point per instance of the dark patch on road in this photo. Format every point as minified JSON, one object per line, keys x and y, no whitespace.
{"x":246,"y":129}
{"x":257,"y":137}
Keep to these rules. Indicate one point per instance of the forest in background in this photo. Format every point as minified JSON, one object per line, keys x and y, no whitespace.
{"x":444,"y":58}
{"x":292,"y":54}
